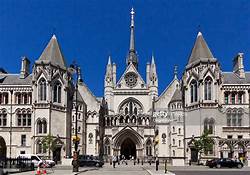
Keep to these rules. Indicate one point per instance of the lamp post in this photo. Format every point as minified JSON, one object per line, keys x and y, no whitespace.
{"x":11,"y":93}
{"x":75,"y":69}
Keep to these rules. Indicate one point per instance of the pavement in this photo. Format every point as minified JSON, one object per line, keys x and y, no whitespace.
{"x":145,"y":169}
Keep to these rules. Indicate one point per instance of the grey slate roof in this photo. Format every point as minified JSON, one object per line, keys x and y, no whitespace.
{"x":232,"y":78}
{"x":177,"y":96}
{"x":52,"y":54}
{"x":14,"y":79}
{"x":200,"y":50}
{"x":79,"y":97}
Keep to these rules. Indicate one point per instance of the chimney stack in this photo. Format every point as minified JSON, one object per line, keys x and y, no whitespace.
{"x":25,"y":69}
{"x":238,"y":66}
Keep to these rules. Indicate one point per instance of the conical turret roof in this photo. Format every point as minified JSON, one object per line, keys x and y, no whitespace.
{"x":52,"y":54}
{"x":200,"y":50}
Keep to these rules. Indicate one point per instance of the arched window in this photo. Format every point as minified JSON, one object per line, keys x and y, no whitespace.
{"x":173,"y":153}
{"x":240,"y":113}
{"x":179,"y":131}
{"x":173,"y":129}
{"x":44,"y":123}
{"x":193,"y":91}
{"x":121,"y":119}
{"x":127,"y":119}
{"x":39,"y":127}
{"x":209,"y":125}
{"x":42,"y":90}
{"x":126,"y":111}
{"x":107,"y":147}
{"x":19,"y":98}
{"x":57,"y":92}
{"x":133,"y":119}
{"x":3,"y":118}
{"x":173,"y":142}
{"x":179,"y":143}
{"x":149,"y":148}
{"x":234,"y":119}
{"x":139,"y":121}
{"x":208,"y":88}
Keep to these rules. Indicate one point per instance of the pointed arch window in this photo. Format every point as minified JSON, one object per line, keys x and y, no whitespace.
{"x":39,"y":127}
{"x":107,"y":147}
{"x":42,"y":90}
{"x":3,"y":118}
{"x":194,"y":91}
{"x":209,"y":125}
{"x":208,"y":88}
{"x":57,"y":91}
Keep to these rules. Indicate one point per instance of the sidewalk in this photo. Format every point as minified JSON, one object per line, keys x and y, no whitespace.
{"x":60,"y":171}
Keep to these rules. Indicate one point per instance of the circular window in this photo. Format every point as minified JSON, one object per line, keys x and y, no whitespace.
{"x":131,"y":79}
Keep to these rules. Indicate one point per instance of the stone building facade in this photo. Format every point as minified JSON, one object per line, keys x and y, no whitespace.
{"x":140,"y":123}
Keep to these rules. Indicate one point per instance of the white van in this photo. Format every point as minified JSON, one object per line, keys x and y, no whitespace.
{"x":37,"y":160}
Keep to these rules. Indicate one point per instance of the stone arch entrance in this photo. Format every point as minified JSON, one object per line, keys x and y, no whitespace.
{"x":128,"y":142}
{"x":3,"y":148}
{"x":128,"y":148}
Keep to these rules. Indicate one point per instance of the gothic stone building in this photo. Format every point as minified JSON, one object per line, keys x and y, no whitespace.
{"x":140,"y":123}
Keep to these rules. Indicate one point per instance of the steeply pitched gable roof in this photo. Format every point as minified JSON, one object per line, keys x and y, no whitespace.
{"x":200,"y":50}
{"x":52,"y":54}
{"x":177,"y":96}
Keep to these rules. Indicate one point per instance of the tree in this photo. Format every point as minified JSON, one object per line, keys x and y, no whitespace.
{"x":204,"y":144}
{"x":48,"y":144}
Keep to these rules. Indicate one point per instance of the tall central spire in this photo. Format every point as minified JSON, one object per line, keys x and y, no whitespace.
{"x":132,"y":57}
{"x":132,"y":35}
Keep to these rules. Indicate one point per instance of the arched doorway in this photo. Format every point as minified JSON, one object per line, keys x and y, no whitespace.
{"x":128,"y":148}
{"x":3,"y":148}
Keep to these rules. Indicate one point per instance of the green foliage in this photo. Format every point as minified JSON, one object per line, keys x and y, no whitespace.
{"x":204,"y":143}
{"x":47,"y":143}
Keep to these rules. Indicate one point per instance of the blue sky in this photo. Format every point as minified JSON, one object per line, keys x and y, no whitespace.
{"x":89,"y":31}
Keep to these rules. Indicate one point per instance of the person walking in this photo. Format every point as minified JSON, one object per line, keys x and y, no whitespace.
{"x":114,"y":160}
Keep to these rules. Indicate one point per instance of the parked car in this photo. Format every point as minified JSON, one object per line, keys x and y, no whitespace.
{"x":86,"y":160}
{"x":37,"y":161}
{"x":224,"y":162}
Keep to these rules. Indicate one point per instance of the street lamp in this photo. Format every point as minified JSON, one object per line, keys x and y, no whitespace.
{"x":75,"y":69}
{"x":11,"y":93}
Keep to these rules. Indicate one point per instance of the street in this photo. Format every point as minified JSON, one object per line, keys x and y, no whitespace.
{"x":145,"y":169}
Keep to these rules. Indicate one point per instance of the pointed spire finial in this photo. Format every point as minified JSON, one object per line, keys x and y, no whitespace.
{"x":132,"y":55}
{"x":132,"y":17}
{"x":152,"y":59}
{"x":109,"y":59}
{"x":175,"y":71}
{"x":199,"y":31}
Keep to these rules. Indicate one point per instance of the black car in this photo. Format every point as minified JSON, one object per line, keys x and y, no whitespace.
{"x":224,"y":162}
{"x":86,"y":160}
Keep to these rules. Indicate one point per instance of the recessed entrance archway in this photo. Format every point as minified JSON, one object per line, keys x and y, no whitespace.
{"x":128,"y":148}
{"x":128,"y":142}
{"x":3,"y":148}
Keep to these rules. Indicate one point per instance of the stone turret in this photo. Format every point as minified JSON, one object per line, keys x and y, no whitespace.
{"x":238,"y":66}
{"x":153,"y":79}
{"x":25,"y":69}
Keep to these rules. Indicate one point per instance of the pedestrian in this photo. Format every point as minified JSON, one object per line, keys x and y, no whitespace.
{"x":114,"y":160}
{"x":157,"y":164}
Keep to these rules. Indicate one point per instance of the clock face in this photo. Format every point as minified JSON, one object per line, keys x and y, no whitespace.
{"x":131,"y":79}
